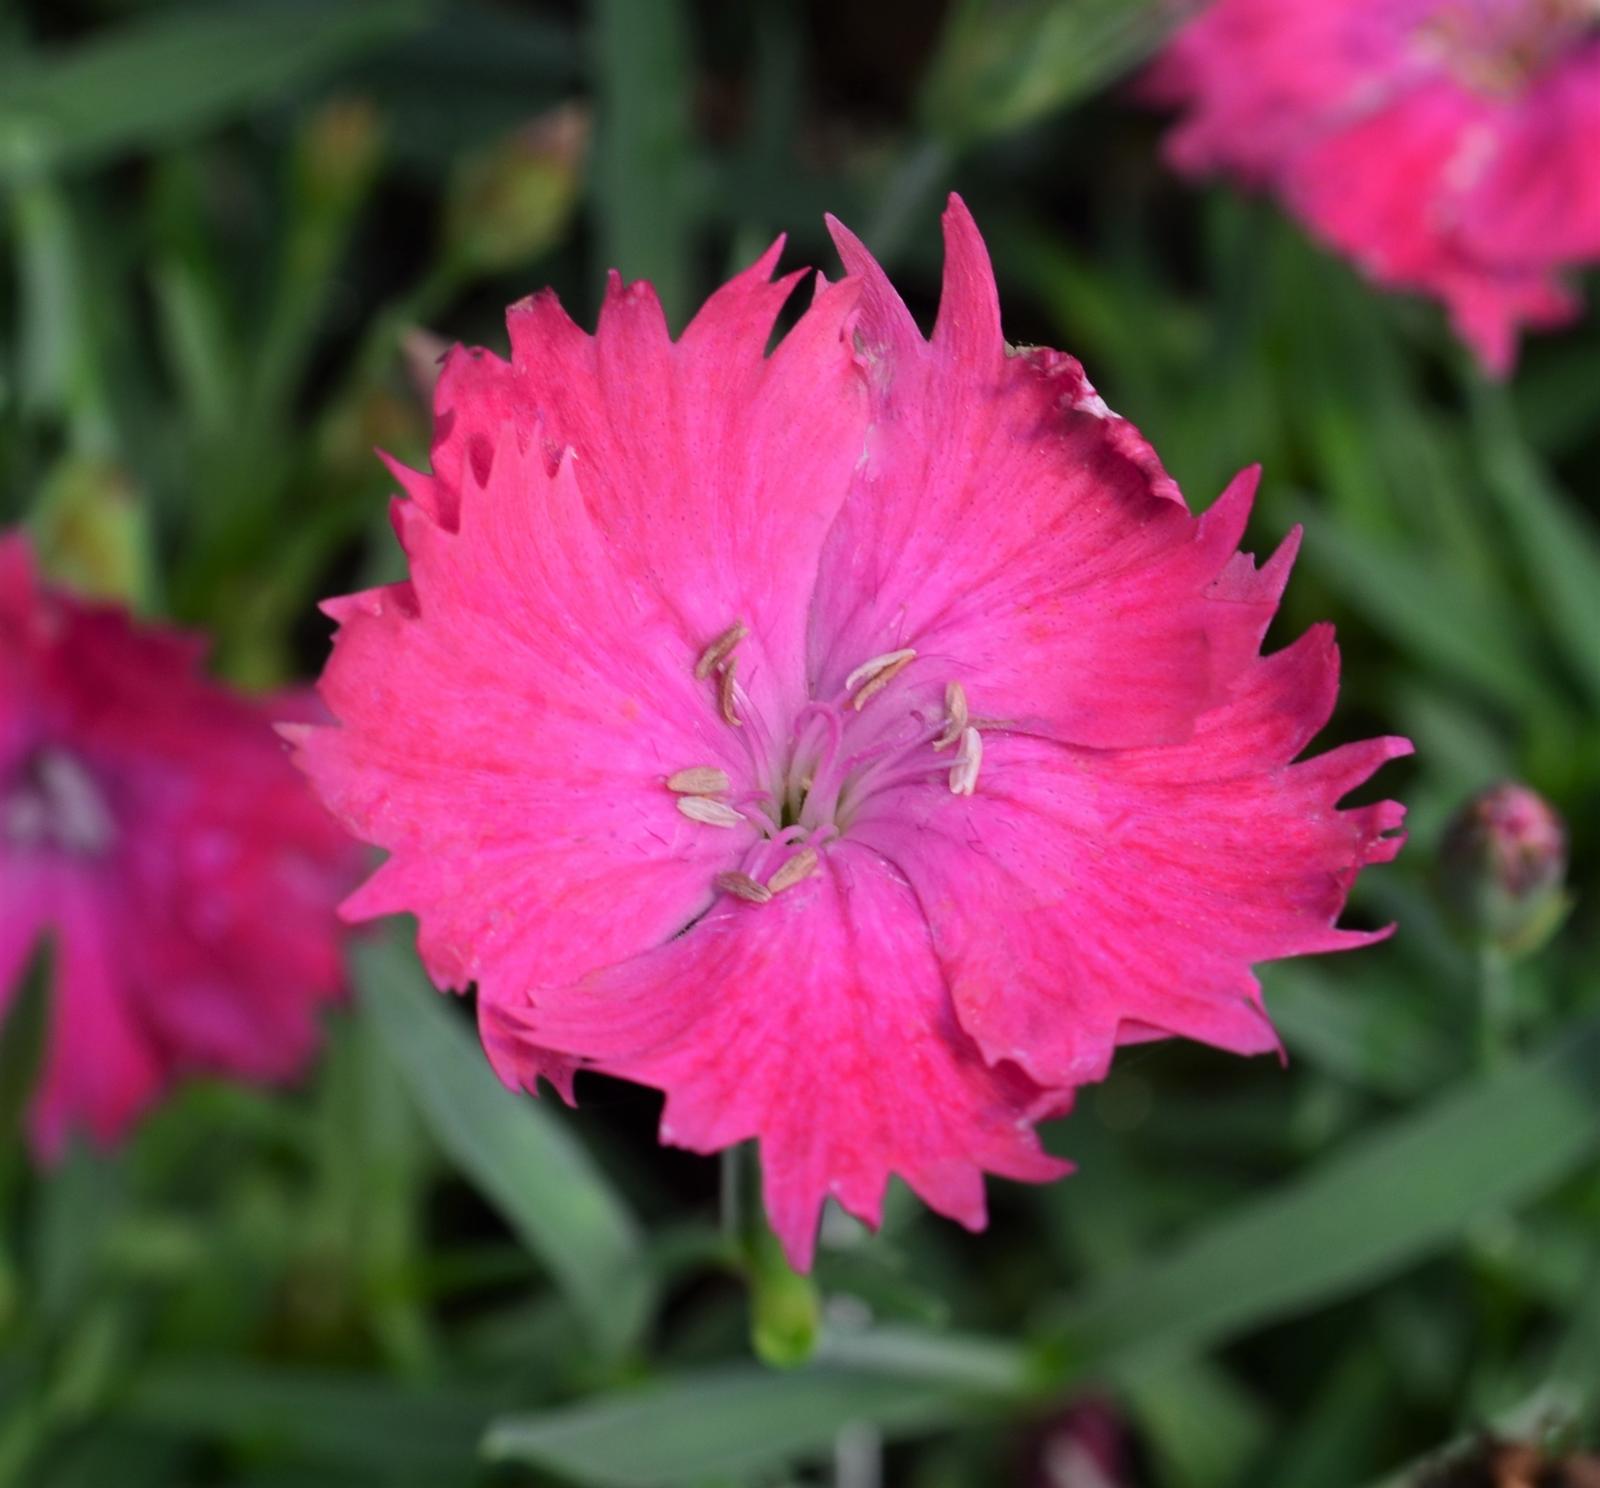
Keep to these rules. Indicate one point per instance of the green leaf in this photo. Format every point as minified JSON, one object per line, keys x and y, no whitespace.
{"x":1443,"y":621}
{"x":516,"y":1153}
{"x":1561,"y":549}
{"x":180,"y":71}
{"x":643,"y":165}
{"x":1002,"y":64}
{"x":1371,"y":1036}
{"x":351,"y":1419}
{"x":22,"y":1040}
{"x":732,"y":1420}
{"x":1202,"y":1427}
{"x":1390,"y":1198}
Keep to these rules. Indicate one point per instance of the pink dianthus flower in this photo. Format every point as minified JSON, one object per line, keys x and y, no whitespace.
{"x":152,"y":827}
{"x":856,"y":742}
{"x":1448,"y":146}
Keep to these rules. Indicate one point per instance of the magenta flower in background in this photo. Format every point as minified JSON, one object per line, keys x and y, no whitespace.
{"x":152,"y":826}
{"x":1448,"y":146}
{"x":857,"y":743}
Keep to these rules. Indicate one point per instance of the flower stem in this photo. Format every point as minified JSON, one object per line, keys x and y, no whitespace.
{"x":785,"y":1307}
{"x":1496,"y":1006}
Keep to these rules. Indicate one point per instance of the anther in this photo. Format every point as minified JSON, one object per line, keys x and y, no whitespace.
{"x":742,"y":886}
{"x":725,"y":698}
{"x":955,"y":708}
{"x":964,"y":770}
{"x":712,"y":813}
{"x":882,"y":679}
{"x":719,"y":648}
{"x":870,"y":669}
{"x":801,"y":866}
{"x":699,"y":780}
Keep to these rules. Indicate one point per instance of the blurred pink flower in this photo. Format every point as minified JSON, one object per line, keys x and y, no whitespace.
{"x":1448,"y":146}
{"x":856,"y":742}
{"x":151,"y":825}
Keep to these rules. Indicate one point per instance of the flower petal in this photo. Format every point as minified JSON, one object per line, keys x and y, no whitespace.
{"x":817,"y":1022}
{"x":1082,"y":896}
{"x":1016,"y":534}
{"x":509,"y":724}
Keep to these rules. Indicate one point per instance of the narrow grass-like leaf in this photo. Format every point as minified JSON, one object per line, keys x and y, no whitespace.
{"x":1442,"y":621}
{"x":1001,"y":65}
{"x":516,"y":1153}
{"x":180,"y":71}
{"x":1560,"y":548}
{"x":354,"y":1420}
{"x":1390,"y":1198}
{"x":727,"y":1421}
{"x":643,"y":167}
{"x":22,"y":1035}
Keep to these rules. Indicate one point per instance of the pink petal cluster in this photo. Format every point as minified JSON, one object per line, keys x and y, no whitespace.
{"x":152,"y":828}
{"x":857,"y":742}
{"x":1448,"y":146}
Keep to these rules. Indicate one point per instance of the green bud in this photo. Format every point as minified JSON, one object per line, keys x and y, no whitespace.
{"x":785,"y":1307}
{"x":91,"y":531}
{"x":1502,"y":869}
{"x":514,"y":200}
{"x":338,"y":151}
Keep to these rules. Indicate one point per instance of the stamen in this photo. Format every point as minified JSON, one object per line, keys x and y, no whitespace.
{"x":699,"y":780}
{"x":955,"y":707}
{"x":801,"y":866}
{"x":725,"y":697}
{"x":712,"y":813}
{"x":877,"y":673}
{"x":719,"y":648}
{"x":742,"y":886}
{"x":964,"y":771}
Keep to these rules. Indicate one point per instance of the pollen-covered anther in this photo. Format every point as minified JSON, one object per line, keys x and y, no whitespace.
{"x":742,"y":886}
{"x":964,"y":768}
{"x":726,"y":700}
{"x":873,"y":676}
{"x":699,"y":780}
{"x":955,"y":711}
{"x":712,"y":813}
{"x":719,"y":649}
{"x":801,"y":866}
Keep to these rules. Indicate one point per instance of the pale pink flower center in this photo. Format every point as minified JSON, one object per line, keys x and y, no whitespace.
{"x":1499,"y":46}
{"x":54,"y":803}
{"x":878,"y":733}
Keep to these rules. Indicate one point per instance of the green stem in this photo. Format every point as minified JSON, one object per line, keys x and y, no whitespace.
{"x":1496,"y":1007}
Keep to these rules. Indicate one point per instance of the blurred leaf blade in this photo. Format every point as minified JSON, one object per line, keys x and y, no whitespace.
{"x":1561,"y":550}
{"x":1390,"y":1198}
{"x":23,"y":1030}
{"x":1466,"y":633}
{"x":356,"y":1420}
{"x":541,"y":1181}
{"x":643,"y":165}
{"x":723,"y":1421}
{"x":1001,"y":64}
{"x":178,"y":72}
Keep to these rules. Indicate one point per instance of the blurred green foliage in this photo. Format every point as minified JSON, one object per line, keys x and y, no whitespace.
{"x":221,"y":224}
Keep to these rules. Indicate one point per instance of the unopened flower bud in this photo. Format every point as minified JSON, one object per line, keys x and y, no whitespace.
{"x":91,"y":531}
{"x":339,"y":150}
{"x":513,"y":201}
{"x":423,"y":353}
{"x":1087,"y":1445}
{"x":1502,"y":868}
